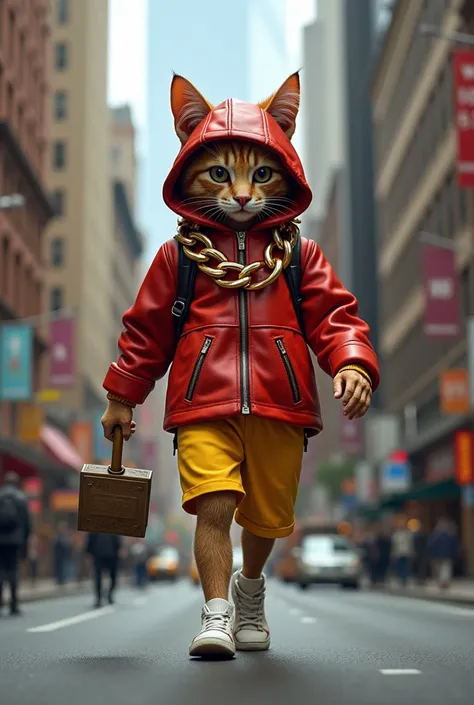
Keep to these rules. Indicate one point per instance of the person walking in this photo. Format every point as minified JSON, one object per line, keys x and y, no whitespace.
{"x":443,"y":550}
{"x":402,"y":552}
{"x":105,"y":551}
{"x":15,"y":527}
{"x":420,"y":563}
{"x":63,"y":553}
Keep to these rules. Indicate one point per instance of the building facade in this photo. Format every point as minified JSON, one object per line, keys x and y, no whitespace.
{"x":416,"y":190}
{"x":80,"y":239}
{"x":24,"y":95}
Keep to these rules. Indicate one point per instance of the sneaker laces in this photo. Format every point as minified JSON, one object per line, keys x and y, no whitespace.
{"x":250,"y":608}
{"x":215,"y":620}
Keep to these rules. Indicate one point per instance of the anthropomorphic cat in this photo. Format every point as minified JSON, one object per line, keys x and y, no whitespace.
{"x":241,"y":394}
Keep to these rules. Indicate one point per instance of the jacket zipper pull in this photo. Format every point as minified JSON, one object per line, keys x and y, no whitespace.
{"x":241,"y":239}
{"x":175,"y":444}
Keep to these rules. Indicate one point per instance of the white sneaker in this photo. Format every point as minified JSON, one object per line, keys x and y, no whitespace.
{"x":251,"y":631}
{"x":215,"y":637}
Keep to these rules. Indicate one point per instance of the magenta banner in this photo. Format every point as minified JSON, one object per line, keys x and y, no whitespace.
{"x":62,"y":367}
{"x":352,"y":436}
{"x":441,"y":285}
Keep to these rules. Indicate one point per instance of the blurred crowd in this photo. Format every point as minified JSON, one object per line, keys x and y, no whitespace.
{"x":405,"y":555}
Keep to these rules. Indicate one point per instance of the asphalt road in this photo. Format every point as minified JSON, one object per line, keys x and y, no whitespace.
{"x":329,"y":648}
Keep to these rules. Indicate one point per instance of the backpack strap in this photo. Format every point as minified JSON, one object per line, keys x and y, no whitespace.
{"x":293,"y":278}
{"x":185,"y":290}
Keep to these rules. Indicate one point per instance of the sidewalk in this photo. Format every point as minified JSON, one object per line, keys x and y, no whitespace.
{"x":461,"y":592}
{"x":46,"y":589}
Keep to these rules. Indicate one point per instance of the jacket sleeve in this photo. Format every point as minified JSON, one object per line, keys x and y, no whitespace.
{"x":334,"y":331}
{"x":147,"y":341}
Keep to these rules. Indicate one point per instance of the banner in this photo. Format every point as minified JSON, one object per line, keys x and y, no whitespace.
{"x":62,"y":368}
{"x":441,"y":285}
{"x":16,"y":362}
{"x":352,"y":436}
{"x":463,"y":66}
{"x":454,"y":392}
{"x":81,"y":438}
{"x":464,"y":444}
{"x":30,"y":423}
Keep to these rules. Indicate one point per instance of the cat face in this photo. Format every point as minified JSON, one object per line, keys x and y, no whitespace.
{"x":235,"y":182}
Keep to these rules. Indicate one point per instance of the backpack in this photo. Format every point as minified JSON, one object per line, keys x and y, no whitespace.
{"x":187,"y":269}
{"x":9,"y":513}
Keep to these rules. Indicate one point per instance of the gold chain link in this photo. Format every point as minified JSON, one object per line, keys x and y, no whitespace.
{"x":284,"y":239}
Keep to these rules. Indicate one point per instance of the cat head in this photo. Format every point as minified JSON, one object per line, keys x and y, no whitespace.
{"x":189,"y":107}
{"x":234,"y":181}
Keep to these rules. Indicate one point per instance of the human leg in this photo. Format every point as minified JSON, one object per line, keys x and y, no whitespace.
{"x":270,"y":474}
{"x":209,"y":457}
{"x":98,"y":569}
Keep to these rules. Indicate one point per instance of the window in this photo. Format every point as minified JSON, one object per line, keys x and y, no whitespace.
{"x":58,"y":201}
{"x":64,"y":8}
{"x":56,"y":299}
{"x":61,"y":57}
{"x":57,"y":252}
{"x":59,"y":155}
{"x":60,"y":105}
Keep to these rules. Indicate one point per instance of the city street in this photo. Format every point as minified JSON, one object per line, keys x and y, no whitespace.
{"x":328,"y":647}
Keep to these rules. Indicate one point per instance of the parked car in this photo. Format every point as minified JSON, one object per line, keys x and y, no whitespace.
{"x":329,"y":558}
{"x":164,"y":565}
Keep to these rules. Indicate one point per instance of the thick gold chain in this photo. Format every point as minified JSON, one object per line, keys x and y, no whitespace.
{"x":284,"y":239}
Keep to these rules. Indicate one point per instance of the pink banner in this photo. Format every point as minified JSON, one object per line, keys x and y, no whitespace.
{"x":441,"y":284}
{"x":352,"y":436}
{"x":62,"y":367}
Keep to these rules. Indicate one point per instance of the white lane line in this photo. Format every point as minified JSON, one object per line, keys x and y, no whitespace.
{"x":70,"y":621}
{"x":308,"y":620}
{"x":400,"y":672}
{"x":295,"y":612}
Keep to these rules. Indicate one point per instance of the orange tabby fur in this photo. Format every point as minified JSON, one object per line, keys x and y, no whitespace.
{"x":240,"y":199}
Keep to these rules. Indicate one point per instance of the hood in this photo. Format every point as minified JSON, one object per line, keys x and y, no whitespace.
{"x":235,"y":119}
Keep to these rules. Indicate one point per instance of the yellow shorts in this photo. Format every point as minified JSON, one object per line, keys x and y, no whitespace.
{"x":259,"y":459}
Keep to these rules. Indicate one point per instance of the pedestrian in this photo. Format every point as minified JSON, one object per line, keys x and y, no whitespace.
{"x":33,"y":558}
{"x":15,"y":527}
{"x":241,"y":392}
{"x":443,"y":551}
{"x":105,"y":552}
{"x":383,"y":543}
{"x":402,"y":552}
{"x":62,"y":553}
{"x":421,"y":559}
{"x":139,"y":556}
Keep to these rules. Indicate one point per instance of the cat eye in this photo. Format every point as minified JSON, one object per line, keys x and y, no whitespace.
{"x":219,"y":174}
{"x":263,"y":174}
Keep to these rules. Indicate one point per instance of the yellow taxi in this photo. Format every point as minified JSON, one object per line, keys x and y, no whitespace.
{"x":164,"y":565}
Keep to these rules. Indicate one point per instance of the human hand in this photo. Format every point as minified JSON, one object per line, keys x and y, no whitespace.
{"x":355,"y":391}
{"x":118,"y":414}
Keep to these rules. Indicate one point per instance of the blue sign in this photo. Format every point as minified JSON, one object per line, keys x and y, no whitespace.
{"x":16,"y":362}
{"x":396,"y":476}
{"x":102,"y":447}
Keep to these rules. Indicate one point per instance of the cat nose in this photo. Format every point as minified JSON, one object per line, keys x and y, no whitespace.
{"x":242,"y":200}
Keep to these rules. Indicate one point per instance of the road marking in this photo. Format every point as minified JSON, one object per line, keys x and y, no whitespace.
{"x":308,"y":620}
{"x":70,"y":621}
{"x":400,"y":672}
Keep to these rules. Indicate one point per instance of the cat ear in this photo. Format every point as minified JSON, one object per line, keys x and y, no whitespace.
{"x":188,"y":106}
{"x":283,"y":105}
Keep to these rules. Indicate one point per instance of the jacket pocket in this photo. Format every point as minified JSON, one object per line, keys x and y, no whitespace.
{"x":295,"y":390}
{"x":197,"y":368}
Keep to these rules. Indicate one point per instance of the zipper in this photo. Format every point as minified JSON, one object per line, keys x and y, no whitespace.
{"x":244,"y":333}
{"x":197,"y":368}
{"x":295,"y":390}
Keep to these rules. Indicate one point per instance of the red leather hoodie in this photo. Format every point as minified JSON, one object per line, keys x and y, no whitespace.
{"x":240,"y":352}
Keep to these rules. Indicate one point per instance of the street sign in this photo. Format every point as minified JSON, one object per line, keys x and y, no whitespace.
{"x":396,"y":473}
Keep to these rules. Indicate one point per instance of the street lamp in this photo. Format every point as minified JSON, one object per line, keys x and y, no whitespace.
{"x":14,"y":200}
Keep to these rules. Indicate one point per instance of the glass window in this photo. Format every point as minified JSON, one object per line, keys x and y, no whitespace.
{"x":57,"y":252}
{"x":59,"y":155}
{"x":58,"y":201}
{"x":56,"y":299}
{"x":60,"y":105}
{"x":64,"y":7}
{"x":61,"y":56}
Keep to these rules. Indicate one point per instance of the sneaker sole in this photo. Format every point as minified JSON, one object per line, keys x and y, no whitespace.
{"x":207,"y":648}
{"x":252,"y":646}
